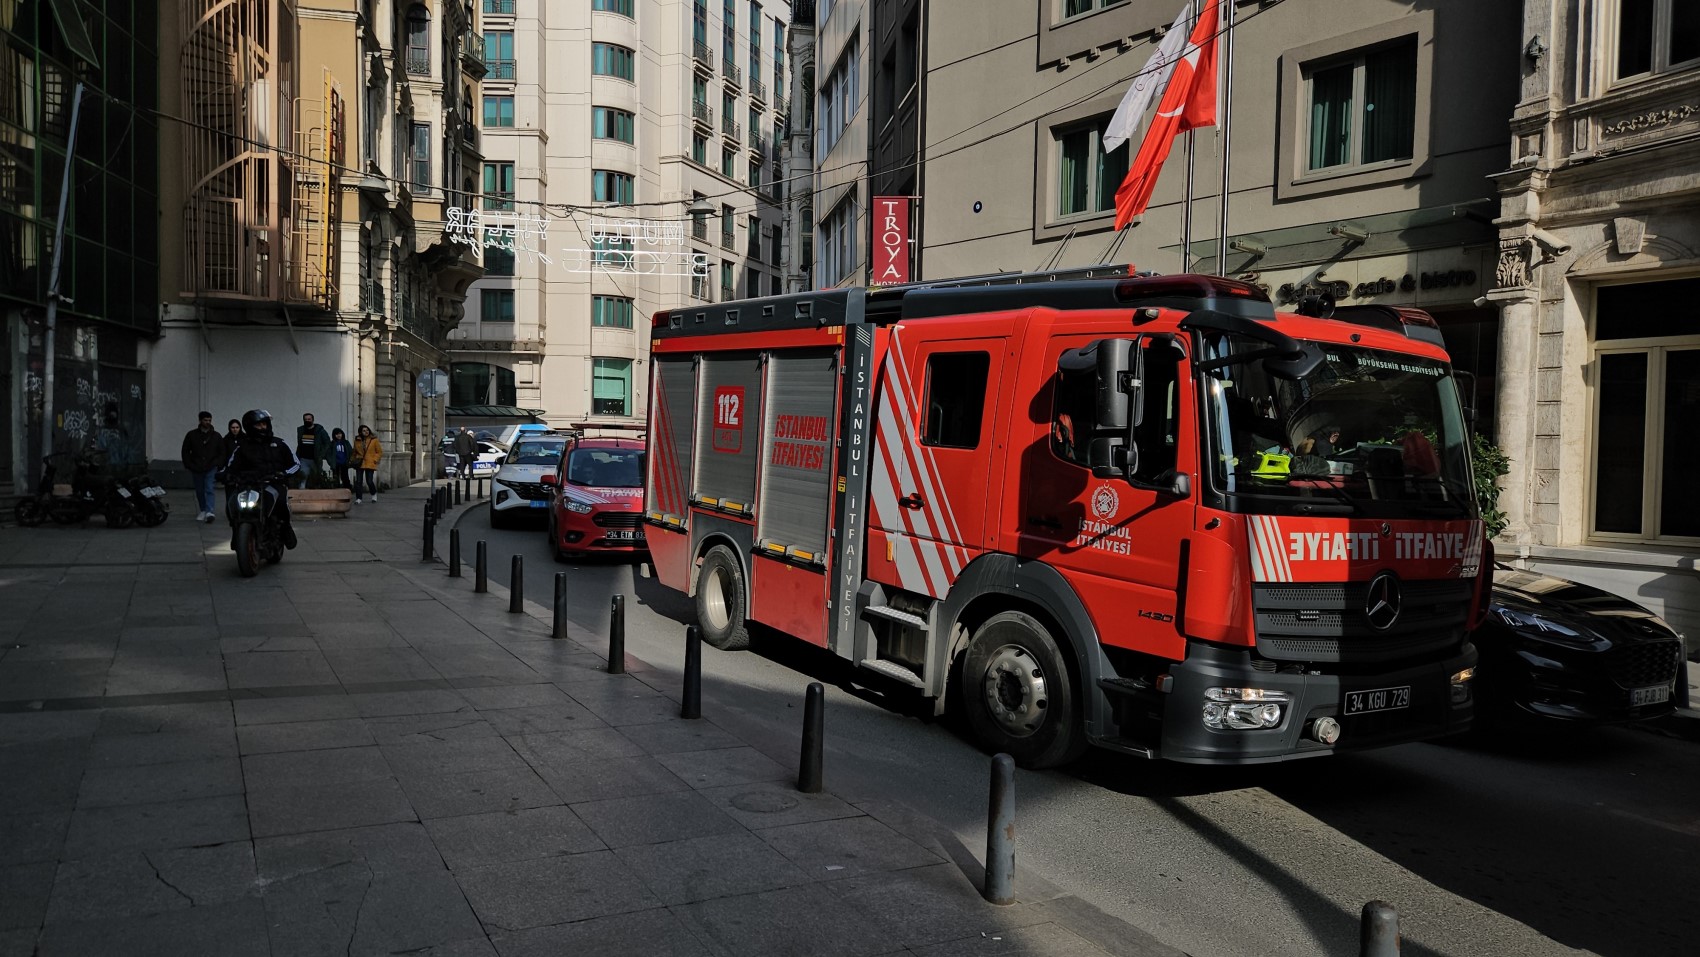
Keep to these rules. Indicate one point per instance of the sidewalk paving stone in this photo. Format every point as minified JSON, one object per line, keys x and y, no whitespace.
{"x":255,"y":711}
{"x":723,"y":766}
{"x":155,"y":783}
{"x":654,"y":818}
{"x":188,"y":823}
{"x":655,"y":933}
{"x":597,"y":779}
{"x":303,"y":736}
{"x":476,"y":792}
{"x":236,"y":929}
{"x":294,"y":809}
{"x":846,"y":847}
{"x":160,"y":747}
{"x":379,"y":849}
{"x":520,"y":894}
{"x":717,"y":865}
{"x":136,"y":883}
{"x":475,"y":840}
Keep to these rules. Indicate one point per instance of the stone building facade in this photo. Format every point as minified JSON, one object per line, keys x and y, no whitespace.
{"x":1598,"y":284}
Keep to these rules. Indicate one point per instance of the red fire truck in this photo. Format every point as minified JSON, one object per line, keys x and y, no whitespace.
{"x":1141,"y":512}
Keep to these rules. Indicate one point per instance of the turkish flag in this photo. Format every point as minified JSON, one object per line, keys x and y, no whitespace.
{"x":1188,"y":103}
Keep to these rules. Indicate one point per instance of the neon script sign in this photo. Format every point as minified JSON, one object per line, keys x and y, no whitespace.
{"x":638,"y":246}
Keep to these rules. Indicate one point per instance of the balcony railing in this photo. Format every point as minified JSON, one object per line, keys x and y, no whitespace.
{"x":758,"y":92}
{"x":703,"y":55}
{"x":730,"y":127}
{"x":728,"y":238}
{"x":499,"y":69}
{"x":733,"y":75}
{"x":703,"y":114}
{"x":418,"y":61}
{"x":699,"y":229}
{"x":472,"y":53}
{"x":500,"y":7}
{"x":779,"y":105}
{"x":758,"y":143}
{"x":726,"y":294}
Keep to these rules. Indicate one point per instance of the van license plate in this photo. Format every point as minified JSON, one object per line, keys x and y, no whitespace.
{"x":1658,"y":694}
{"x":1378,"y":699}
{"x":625,"y":536}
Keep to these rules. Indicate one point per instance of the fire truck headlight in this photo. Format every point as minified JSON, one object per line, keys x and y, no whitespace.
{"x":579,"y":508}
{"x":1461,"y":686}
{"x":1244,"y":709}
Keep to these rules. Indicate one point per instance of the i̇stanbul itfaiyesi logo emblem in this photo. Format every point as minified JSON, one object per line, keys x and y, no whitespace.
{"x":1105,"y":503}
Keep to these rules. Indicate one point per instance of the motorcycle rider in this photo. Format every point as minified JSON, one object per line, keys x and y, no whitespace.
{"x":259,"y":451}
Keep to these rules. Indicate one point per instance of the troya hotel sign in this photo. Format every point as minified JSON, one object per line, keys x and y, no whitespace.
{"x":1438,"y":277}
{"x":639,"y":246}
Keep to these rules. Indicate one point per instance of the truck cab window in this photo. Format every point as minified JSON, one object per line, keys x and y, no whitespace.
{"x":1158,"y":434}
{"x":1073,"y":413}
{"x":956,"y":398}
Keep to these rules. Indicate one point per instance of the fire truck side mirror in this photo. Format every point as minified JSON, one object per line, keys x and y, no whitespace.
{"x":1111,"y":453}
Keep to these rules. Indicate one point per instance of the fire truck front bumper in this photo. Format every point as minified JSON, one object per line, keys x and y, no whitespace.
{"x":1222,"y":710}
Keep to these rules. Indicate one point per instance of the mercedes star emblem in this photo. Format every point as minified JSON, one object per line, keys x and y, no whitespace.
{"x":1381,"y":604}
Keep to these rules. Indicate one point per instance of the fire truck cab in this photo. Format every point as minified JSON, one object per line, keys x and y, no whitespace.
{"x":1145,"y":513}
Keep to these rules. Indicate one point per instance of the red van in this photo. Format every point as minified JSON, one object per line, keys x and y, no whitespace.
{"x":596,"y":506}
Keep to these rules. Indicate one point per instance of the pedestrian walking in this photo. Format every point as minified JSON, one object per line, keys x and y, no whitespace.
{"x":231,"y":436}
{"x":368,"y":452}
{"x":341,"y":457}
{"x":466,"y":449}
{"x":203,"y":456}
{"x":312,"y":445}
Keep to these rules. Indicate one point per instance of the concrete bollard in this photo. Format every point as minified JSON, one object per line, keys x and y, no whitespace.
{"x":809,"y":764}
{"x":1380,"y":931}
{"x":690,"y":705}
{"x":454,"y":553}
{"x":1000,"y":833}
{"x":560,"y":624}
{"x":617,"y":636}
{"x":516,"y":585}
{"x":480,"y":569}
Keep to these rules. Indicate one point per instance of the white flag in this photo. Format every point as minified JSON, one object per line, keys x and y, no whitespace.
{"x":1150,"y":81}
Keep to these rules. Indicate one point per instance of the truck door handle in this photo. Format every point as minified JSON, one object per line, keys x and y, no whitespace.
{"x":912,"y":501}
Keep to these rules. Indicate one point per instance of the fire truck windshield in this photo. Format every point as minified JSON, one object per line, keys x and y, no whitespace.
{"x":1366,"y":433}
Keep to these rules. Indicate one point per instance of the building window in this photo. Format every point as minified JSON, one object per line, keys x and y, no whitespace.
{"x":699,"y":285}
{"x":498,"y":186}
{"x":755,"y":173}
{"x":608,"y":186}
{"x":498,"y":111}
{"x":607,"y":123}
{"x":752,"y":239}
{"x":418,"y":41}
{"x":496,"y":305}
{"x":1647,"y":399}
{"x":622,"y":7}
{"x":699,"y":149}
{"x":1654,"y":36}
{"x":1079,"y":8}
{"x":726,"y":288}
{"x":499,"y":54}
{"x":503,"y":8}
{"x":838,"y":97}
{"x":835,"y":259}
{"x":610,"y":386}
{"x":729,"y":163}
{"x":776,"y":285}
{"x":699,"y":23}
{"x":1087,"y":177}
{"x":498,"y":261}
{"x":755,"y":42}
{"x":612,"y":311}
{"x":728,"y":228}
{"x":956,"y":398}
{"x":729,"y":23}
{"x":420,"y":154}
{"x":612,"y":252}
{"x":1362,"y":111}
{"x":607,"y":59}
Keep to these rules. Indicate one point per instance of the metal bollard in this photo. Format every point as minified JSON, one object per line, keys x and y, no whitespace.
{"x":809,"y":764}
{"x":1000,"y":833}
{"x":560,"y":630}
{"x":516,"y":585}
{"x":428,"y":550}
{"x":480,"y":569}
{"x":1380,"y":931}
{"x":617,"y":636}
{"x":482,"y":491}
{"x":457,"y":492}
{"x":430,"y":511}
{"x":454,"y":553}
{"x":690,"y":705}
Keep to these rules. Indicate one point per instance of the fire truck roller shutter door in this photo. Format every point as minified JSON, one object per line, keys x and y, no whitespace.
{"x":796,"y":486}
{"x":672,"y":433}
{"x":729,"y":446}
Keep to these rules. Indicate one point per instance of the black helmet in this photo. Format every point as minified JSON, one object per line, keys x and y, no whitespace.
{"x":252,"y":419}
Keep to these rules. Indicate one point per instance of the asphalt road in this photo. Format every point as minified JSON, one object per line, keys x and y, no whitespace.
{"x":1585,"y":844}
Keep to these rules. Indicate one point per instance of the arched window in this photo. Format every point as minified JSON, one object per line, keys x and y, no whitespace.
{"x":418,"y":40}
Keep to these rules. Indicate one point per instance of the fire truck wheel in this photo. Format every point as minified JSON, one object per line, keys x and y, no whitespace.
{"x":721,"y":601}
{"x":1016,"y":691}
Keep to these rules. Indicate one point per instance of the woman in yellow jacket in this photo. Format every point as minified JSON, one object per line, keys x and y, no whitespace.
{"x":368,"y":452}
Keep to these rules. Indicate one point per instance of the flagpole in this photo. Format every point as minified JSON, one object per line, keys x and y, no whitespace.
{"x":1227,"y":61}
{"x":1186,"y":211}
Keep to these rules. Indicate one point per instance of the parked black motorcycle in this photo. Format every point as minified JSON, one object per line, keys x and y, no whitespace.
{"x":134,"y":501}
{"x":255,"y":531}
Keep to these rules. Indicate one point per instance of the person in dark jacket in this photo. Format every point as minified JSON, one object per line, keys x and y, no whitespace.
{"x":466,"y":450}
{"x":341,"y":457}
{"x":263,"y":454}
{"x":232,"y":435}
{"x":312,"y":447}
{"x":203,"y":453}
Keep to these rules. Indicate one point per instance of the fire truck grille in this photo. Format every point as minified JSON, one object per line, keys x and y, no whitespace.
{"x":1328,"y":622}
{"x":1644,"y":664}
{"x":618,"y":519}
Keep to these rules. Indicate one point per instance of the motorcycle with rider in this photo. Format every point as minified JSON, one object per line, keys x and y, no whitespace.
{"x":257,"y":502}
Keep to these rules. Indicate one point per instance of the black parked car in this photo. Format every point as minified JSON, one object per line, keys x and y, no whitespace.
{"x":1557,"y":649}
